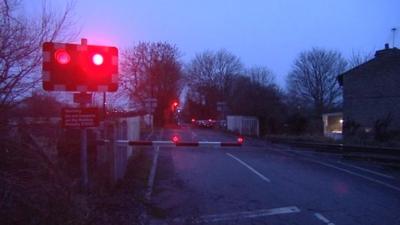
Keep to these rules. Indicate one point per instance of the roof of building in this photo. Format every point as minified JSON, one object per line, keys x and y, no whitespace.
{"x":383,"y":58}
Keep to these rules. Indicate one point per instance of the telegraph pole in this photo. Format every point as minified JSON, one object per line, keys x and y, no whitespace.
{"x":104,"y":106}
{"x":394,"y":36}
{"x":84,"y":164}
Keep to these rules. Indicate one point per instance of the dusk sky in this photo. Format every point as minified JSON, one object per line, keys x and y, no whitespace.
{"x":261,"y":32}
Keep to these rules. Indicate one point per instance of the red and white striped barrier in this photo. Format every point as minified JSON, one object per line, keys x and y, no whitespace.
{"x":174,"y":144}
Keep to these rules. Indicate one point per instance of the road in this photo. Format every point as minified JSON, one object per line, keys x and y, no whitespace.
{"x":261,"y":183}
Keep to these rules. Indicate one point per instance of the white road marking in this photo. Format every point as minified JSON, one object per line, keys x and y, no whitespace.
{"x":353,"y":166}
{"x":343,"y":170}
{"x":153,"y":170}
{"x":367,"y":170}
{"x":303,"y":152}
{"x":152,"y":175}
{"x":239,"y":215}
{"x":355,"y":174}
{"x":323,"y":218}
{"x":250,"y":168}
{"x":150,"y":183}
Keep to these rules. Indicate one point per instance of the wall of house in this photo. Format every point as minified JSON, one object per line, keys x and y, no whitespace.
{"x":372,"y":94}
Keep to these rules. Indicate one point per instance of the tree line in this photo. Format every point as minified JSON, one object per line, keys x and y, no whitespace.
{"x":213,"y":77}
{"x":156,"y":70}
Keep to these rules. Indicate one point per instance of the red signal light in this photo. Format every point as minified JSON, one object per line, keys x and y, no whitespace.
{"x":175,"y":104}
{"x":240,"y":140}
{"x":79,"y":67}
{"x":175,"y":139}
{"x":98,"y":59}
{"x":62,"y":56}
{"x":193,"y":120}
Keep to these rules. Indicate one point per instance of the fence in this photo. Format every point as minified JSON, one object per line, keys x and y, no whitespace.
{"x":114,"y":156}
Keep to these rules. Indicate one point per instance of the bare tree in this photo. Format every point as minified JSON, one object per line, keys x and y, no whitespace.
{"x":21,"y":41}
{"x":313,"y":79}
{"x":210,"y":75}
{"x":261,"y":75}
{"x":32,"y":106}
{"x":152,"y":70}
{"x":32,"y":188}
{"x":357,"y":58}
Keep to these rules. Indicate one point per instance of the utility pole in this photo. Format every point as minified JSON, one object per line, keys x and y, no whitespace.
{"x":84,"y":163}
{"x":104,"y":106}
{"x":394,"y":36}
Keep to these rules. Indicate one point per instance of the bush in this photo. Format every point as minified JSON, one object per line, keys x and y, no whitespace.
{"x":33,"y":189}
{"x":351,"y":128}
{"x":297,"y":124}
{"x":382,"y":130}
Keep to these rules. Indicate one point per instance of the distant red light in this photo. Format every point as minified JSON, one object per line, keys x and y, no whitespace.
{"x":193,"y":120}
{"x":62,"y":56}
{"x":97,"y":59}
{"x":240,"y":140}
{"x":210,"y":120}
{"x":175,"y":104}
{"x":175,"y":138}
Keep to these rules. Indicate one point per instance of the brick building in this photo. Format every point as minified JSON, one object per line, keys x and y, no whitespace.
{"x":371,"y":93}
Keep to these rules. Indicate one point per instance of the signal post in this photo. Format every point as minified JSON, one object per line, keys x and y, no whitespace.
{"x":82,"y":69}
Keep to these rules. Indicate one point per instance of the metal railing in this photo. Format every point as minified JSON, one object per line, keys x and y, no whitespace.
{"x":379,"y":154}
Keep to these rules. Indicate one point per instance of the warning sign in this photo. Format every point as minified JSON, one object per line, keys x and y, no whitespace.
{"x":80,"y":117}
